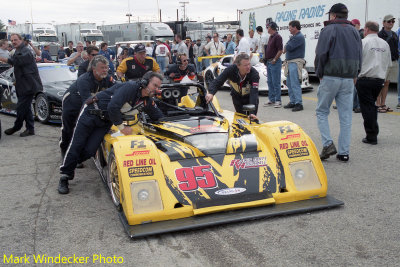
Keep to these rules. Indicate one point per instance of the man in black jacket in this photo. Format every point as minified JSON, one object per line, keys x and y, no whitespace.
{"x":27,"y":84}
{"x":112,"y":104}
{"x":392,"y":39}
{"x":91,"y":82}
{"x":243,"y":79}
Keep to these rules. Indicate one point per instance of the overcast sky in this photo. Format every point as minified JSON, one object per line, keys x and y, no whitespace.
{"x":114,"y":11}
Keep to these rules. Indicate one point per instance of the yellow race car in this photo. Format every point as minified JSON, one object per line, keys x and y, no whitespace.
{"x":201,"y":166}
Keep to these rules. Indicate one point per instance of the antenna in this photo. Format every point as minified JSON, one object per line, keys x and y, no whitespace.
{"x":183,"y":4}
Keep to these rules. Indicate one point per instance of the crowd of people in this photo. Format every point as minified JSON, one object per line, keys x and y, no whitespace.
{"x":353,"y":66}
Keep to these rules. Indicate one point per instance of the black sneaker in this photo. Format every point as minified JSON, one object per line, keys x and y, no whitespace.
{"x":297,"y":107}
{"x":63,"y":185}
{"x":365,"y":140}
{"x":357,"y":110}
{"x":80,"y":166}
{"x":289,"y":105}
{"x":10,"y":131}
{"x":27,"y":133}
{"x":342,"y":157}
{"x":328,"y":151}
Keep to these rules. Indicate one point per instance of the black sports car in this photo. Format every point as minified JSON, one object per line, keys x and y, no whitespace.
{"x":56,"y":79}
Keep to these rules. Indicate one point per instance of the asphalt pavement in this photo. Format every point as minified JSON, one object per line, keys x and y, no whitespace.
{"x":83,"y":228}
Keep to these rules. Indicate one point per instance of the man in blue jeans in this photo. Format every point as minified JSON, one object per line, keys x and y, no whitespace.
{"x":398,"y":77}
{"x":274,"y":65}
{"x":295,"y":50}
{"x":337,"y":64}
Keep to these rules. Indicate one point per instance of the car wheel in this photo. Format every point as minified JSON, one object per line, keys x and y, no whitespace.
{"x":208,"y":79}
{"x":42,"y":108}
{"x":113,"y":180}
{"x":101,"y":163}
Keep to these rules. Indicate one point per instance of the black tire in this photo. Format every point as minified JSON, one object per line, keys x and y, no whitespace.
{"x":42,"y":108}
{"x":208,"y":78}
{"x":102,"y":164}
{"x":113,"y":180}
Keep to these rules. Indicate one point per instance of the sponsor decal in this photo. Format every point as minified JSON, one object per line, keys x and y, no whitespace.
{"x":141,"y":171}
{"x":297,"y":152}
{"x":204,"y":128}
{"x":285,"y":129}
{"x":293,"y":144}
{"x":291,"y":136}
{"x":138,"y":153}
{"x":139,"y":162}
{"x":230,"y":191}
{"x":138,"y":144}
{"x":248,"y":163}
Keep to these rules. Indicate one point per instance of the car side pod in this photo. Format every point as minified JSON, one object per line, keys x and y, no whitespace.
{"x":202,"y":221}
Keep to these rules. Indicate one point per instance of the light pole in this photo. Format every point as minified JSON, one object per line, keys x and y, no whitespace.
{"x":129,"y":15}
{"x":183,"y":4}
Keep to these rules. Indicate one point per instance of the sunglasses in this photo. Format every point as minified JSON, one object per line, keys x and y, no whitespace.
{"x":94,"y":55}
{"x":390,"y":21}
{"x":185,"y":60}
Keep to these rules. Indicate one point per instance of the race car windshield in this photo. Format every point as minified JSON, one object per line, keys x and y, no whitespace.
{"x":209,"y":143}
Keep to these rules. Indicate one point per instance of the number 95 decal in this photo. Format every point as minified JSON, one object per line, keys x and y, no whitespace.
{"x":193,"y":178}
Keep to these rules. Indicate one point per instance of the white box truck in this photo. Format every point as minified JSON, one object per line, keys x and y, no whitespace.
{"x":136,"y":31}
{"x":79,"y":32}
{"x":312,"y":15}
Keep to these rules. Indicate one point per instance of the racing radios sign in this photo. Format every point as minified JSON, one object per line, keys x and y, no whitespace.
{"x":301,"y":14}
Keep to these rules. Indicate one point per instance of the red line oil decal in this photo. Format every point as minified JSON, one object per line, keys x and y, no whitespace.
{"x":138,"y":152}
{"x":248,"y":163}
{"x":193,"y":178}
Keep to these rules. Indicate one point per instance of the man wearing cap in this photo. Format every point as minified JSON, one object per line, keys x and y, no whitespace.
{"x":393,"y":40}
{"x":198,"y":52}
{"x":135,"y":67}
{"x":46,"y":58}
{"x":357,"y":24}
{"x":375,"y":62}
{"x":337,"y":64}
{"x":274,"y":65}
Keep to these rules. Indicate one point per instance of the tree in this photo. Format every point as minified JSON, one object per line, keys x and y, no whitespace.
{"x":2,"y":26}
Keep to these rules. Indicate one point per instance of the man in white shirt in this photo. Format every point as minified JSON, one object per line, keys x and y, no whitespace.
{"x":215,"y":47}
{"x":376,"y":59}
{"x":262,"y":41}
{"x":243,"y":46}
{"x":162,"y":53}
{"x":252,"y":41}
{"x":181,"y":47}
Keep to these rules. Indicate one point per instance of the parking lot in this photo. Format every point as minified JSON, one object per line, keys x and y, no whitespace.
{"x":36,"y":220}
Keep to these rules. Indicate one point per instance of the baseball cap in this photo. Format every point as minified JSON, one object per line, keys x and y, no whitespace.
{"x":272,"y":25}
{"x":355,"y":22}
{"x":139,"y":48}
{"x":338,"y":8}
{"x":388,"y":17}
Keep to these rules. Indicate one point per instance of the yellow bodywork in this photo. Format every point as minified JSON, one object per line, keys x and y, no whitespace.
{"x":257,"y":155}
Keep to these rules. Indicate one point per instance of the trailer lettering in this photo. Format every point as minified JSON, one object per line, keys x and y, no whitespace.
{"x":286,"y":15}
{"x":313,"y":12}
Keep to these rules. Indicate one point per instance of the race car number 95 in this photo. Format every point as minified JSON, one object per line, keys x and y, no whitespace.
{"x":195,"y":177}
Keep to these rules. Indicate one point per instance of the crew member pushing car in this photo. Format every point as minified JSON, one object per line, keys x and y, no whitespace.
{"x":243,"y":79}
{"x":88,"y":84}
{"x":100,"y":112}
{"x":135,"y":67}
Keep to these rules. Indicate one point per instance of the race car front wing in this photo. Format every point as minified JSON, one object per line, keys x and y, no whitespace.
{"x":202,"y":221}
